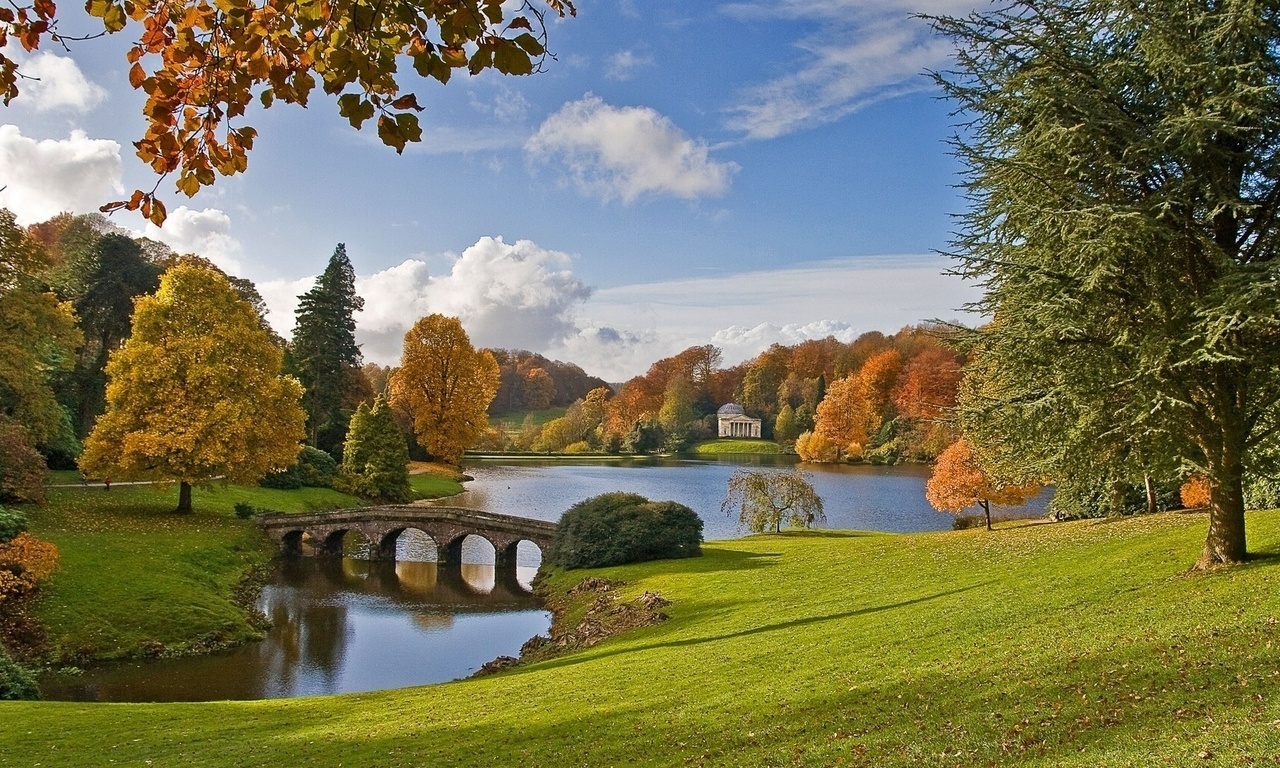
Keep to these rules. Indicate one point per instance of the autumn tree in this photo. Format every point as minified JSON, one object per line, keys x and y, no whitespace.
{"x":1124,"y":221}
{"x":203,"y":65}
{"x":958,"y":482}
{"x":845,"y":417}
{"x":539,"y":389}
{"x":928,"y":386}
{"x":815,"y":447}
{"x":196,"y":392}
{"x":764,"y":500}
{"x":375,"y":458}
{"x":325,"y":352}
{"x":38,"y":337}
{"x":445,"y":386}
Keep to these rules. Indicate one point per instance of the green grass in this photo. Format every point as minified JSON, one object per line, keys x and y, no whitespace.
{"x":1074,"y":644}
{"x":513,"y":421}
{"x":135,"y":576}
{"x":431,"y":486}
{"x":717,"y":447}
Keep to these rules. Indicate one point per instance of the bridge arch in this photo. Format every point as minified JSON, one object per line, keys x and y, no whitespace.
{"x":389,"y":541}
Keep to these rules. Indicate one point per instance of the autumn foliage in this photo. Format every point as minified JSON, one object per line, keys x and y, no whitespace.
{"x":203,"y":64}
{"x":959,"y":482}
{"x":25,"y":561}
{"x":1195,"y":493}
{"x":445,"y":386}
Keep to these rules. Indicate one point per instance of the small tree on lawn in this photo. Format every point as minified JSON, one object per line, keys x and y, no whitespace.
{"x":375,"y":461}
{"x":959,"y":482}
{"x":767,"y":500}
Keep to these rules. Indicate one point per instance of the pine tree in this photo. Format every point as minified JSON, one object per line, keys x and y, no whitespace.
{"x":325,"y":350}
{"x":375,"y":461}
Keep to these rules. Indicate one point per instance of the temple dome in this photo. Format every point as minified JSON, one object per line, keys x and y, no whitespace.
{"x":731,"y":409}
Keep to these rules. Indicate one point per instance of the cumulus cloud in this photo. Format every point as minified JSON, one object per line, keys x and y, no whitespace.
{"x":515,"y":295}
{"x":623,"y":65}
{"x":862,"y":53}
{"x":205,"y":233}
{"x":56,"y":83}
{"x":40,"y":179}
{"x":628,"y":152}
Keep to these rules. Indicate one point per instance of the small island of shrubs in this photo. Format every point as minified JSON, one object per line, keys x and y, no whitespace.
{"x":618,"y":528}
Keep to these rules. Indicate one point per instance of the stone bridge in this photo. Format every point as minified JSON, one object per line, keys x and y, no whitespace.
{"x":381,"y":526}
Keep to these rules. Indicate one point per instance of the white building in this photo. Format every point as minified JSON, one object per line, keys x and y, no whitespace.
{"x":734,"y":422}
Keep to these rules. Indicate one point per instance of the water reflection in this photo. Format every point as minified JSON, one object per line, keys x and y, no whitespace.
{"x":341,"y":626}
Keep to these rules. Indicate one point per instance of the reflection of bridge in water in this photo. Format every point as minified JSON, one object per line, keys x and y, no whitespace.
{"x":414,"y":585}
{"x":381,"y":528}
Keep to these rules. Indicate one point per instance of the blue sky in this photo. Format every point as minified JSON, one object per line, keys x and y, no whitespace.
{"x":735,"y":173}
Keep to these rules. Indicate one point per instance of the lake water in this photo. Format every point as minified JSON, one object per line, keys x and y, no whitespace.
{"x":348,"y":625}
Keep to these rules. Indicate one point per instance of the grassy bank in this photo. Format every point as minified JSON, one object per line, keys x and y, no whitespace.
{"x":136,"y":579}
{"x":1075,"y":644}
{"x":718,"y":447}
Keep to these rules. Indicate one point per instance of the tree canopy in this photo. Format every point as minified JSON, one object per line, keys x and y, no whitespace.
{"x":196,"y":392}
{"x":445,"y":386}
{"x":202,"y":65}
{"x":1122,"y":162}
{"x":958,"y":482}
{"x":325,"y":351}
{"x":768,"y":500}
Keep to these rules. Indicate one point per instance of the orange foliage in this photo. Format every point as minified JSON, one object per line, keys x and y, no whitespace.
{"x":928,"y":387}
{"x":812,"y":446}
{"x":1195,"y":492}
{"x":958,"y":482}
{"x":878,"y":377}
{"x":845,"y":416}
{"x":24,"y":562}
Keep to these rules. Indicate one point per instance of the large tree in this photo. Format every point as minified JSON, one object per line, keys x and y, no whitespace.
{"x":324,"y":348}
{"x":1122,"y":166}
{"x":765,"y":500}
{"x":445,"y":385}
{"x":196,"y":392}
{"x":203,"y":64}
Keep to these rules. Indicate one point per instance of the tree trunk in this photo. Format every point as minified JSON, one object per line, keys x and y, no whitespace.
{"x":1225,"y":542}
{"x":986,"y":507}
{"x":1151,"y":493}
{"x":184,"y":498}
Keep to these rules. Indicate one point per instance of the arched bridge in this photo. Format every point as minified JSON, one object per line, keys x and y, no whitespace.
{"x":381,"y":526}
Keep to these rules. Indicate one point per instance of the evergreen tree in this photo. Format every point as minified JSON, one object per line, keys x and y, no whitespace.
{"x":375,"y":461}
{"x":325,"y":350}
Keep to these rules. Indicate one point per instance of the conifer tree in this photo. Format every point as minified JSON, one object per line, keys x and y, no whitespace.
{"x":375,"y":461}
{"x":324,"y":348}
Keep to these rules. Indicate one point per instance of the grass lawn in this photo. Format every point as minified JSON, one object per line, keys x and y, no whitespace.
{"x":1073,"y":644}
{"x":512,"y":422}
{"x":717,"y":447}
{"x":432,"y":486}
{"x":136,"y":578}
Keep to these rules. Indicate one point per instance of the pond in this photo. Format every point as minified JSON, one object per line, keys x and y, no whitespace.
{"x":347,"y":625}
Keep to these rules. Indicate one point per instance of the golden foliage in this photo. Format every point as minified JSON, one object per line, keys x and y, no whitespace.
{"x":813,"y":446}
{"x":1195,"y":493}
{"x":196,"y":392}
{"x":445,"y":386}
{"x":24,"y":562}
{"x":202,"y":64}
{"x":846,"y":415}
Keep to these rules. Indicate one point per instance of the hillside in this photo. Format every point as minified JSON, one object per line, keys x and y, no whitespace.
{"x":1074,"y":644}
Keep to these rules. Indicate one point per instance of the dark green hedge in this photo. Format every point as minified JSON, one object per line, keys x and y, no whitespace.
{"x":618,"y":528}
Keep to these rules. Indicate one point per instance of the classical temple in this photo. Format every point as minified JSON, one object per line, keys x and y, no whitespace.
{"x":734,"y":422}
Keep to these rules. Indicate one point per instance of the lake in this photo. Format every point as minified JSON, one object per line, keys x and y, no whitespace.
{"x":348,"y":625}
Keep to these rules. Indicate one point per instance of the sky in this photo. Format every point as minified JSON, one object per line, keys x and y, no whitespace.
{"x":734,"y":173}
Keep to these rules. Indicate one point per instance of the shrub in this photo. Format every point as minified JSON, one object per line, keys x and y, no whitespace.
{"x":582,"y":446}
{"x":244,"y":510}
{"x":25,"y":561}
{"x":815,"y":447}
{"x":22,"y":469}
{"x":1195,"y":492}
{"x":314,"y":468}
{"x":12,"y":523}
{"x":16,"y":682}
{"x":617,"y":528}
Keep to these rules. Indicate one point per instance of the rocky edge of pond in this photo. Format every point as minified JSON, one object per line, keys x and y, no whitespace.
{"x":605,"y":617}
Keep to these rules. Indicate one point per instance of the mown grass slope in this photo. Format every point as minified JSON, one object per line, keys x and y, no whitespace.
{"x":136,"y":578}
{"x":1075,"y":644}
{"x":736,"y":446}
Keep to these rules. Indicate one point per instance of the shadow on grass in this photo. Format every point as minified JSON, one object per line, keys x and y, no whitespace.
{"x":810,"y":620}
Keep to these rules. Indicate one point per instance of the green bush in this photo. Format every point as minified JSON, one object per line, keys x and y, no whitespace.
{"x":244,"y":510}
{"x":16,"y":682}
{"x":314,"y":469}
{"x":617,"y":528}
{"x":12,"y":523}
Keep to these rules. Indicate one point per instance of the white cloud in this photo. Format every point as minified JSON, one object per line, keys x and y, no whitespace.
{"x":623,"y":65}
{"x":56,"y":83}
{"x":40,"y":179}
{"x":863,"y":53}
{"x":628,"y":152}
{"x":506,"y":295}
{"x":205,"y":233}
